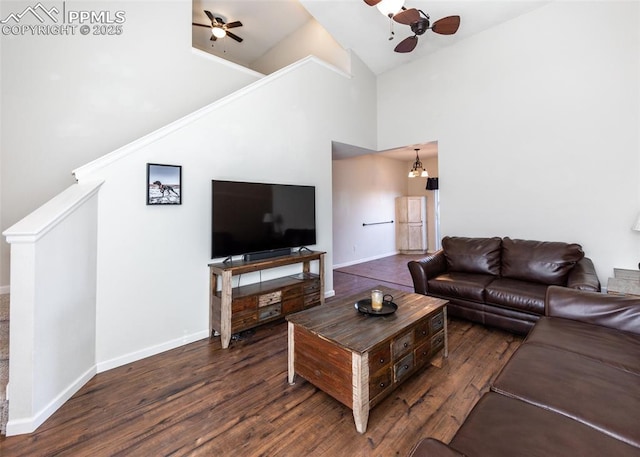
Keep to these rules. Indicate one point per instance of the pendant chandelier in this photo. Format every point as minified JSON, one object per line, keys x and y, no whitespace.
{"x":417,"y":169}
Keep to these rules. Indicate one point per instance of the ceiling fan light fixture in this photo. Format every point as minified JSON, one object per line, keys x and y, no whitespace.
{"x":218,"y":32}
{"x":390,"y":7}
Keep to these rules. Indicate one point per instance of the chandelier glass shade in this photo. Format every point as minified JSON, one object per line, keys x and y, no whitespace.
{"x":417,"y":170}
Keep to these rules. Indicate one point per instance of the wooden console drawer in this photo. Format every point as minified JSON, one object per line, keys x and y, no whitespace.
{"x":270,"y":298}
{"x":402,"y":345}
{"x":311,"y":300}
{"x":312,"y":287}
{"x":293,"y":291}
{"x":268,"y":312}
{"x":292,"y":305}
{"x":242,"y":321}
{"x":241,"y":304}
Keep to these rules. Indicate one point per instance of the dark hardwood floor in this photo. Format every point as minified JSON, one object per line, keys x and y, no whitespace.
{"x":201,"y":400}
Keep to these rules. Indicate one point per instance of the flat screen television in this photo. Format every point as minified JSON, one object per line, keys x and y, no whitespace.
{"x":250,"y":217}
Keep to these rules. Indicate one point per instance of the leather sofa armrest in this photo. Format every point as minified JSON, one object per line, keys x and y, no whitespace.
{"x":430,"y":447}
{"x":424,"y":269}
{"x":583,"y":276}
{"x":613,"y":311}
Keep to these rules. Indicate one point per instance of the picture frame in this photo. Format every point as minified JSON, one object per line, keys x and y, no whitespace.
{"x":164,"y":184}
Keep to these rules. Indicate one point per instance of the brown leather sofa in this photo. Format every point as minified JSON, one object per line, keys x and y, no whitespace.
{"x":571,"y":389}
{"x":501,"y":281}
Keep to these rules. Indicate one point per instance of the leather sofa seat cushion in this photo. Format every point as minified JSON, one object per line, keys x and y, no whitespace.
{"x":593,"y":393}
{"x":610,"y":346}
{"x":500,"y":426}
{"x":516,"y":294}
{"x":473,"y":255}
{"x":545,"y":262}
{"x":469,"y":286}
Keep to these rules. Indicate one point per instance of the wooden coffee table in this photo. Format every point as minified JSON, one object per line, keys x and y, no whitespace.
{"x":359,"y":359}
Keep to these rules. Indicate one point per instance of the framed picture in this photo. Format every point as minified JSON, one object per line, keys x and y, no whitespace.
{"x":164,"y":184}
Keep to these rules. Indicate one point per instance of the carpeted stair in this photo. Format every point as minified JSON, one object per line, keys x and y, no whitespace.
{"x":4,"y":361}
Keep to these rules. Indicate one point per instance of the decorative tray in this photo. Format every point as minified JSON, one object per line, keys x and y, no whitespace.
{"x":364,"y":306}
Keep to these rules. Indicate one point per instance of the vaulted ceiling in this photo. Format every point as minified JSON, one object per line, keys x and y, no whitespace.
{"x":352,"y":23}
{"x":355,"y":26}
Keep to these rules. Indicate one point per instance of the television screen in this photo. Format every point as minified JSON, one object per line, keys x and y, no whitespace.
{"x":253,"y":217}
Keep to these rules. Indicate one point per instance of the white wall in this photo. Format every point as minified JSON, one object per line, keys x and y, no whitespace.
{"x":537,"y":128}
{"x":364,"y":191}
{"x":67,"y":100}
{"x":53,"y":305}
{"x":152,"y":260}
{"x":312,"y":39}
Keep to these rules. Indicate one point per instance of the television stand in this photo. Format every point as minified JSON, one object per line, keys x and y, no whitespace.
{"x":234,"y":309}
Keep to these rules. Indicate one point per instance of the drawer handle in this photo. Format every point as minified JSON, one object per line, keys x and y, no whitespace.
{"x":425,"y":353}
{"x":406,"y":344}
{"x":382,"y":384}
{"x":381,"y":360}
{"x":406,"y":367}
{"x":424,"y":332}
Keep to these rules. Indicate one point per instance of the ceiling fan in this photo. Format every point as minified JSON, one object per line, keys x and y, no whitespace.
{"x":419,"y":22}
{"x":219,"y":29}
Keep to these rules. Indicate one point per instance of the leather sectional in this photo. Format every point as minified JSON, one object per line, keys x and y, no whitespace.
{"x":501,"y":281}
{"x":572,"y":388}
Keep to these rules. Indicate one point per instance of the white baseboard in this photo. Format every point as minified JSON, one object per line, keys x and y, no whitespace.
{"x":367,"y":259}
{"x":152,"y":350}
{"x":330,"y":293}
{"x":5,"y":290}
{"x":30,"y":424}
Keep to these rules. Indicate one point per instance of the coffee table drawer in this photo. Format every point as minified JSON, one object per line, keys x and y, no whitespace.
{"x":422,"y":332}
{"x":437,"y":323}
{"x":437,"y":342}
{"x":403,"y":367}
{"x":379,"y":382}
{"x":379,"y":357}
{"x":402,"y":345}
{"x":423,"y":353}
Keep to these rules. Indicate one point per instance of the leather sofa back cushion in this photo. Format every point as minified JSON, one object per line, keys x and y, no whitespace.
{"x":546,"y":262}
{"x":472,"y":255}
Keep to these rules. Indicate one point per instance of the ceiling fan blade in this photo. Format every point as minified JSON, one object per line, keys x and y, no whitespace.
{"x":209,"y":15}
{"x":233,"y":24}
{"x":372,"y":2}
{"x":447,"y":25}
{"x":407,"y":17}
{"x":234,"y":36}
{"x":407,"y":45}
{"x":201,"y":25}
{"x":219,"y":20}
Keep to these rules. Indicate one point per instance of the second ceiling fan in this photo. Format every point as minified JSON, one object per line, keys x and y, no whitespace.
{"x":219,"y":29}
{"x":419,"y":22}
